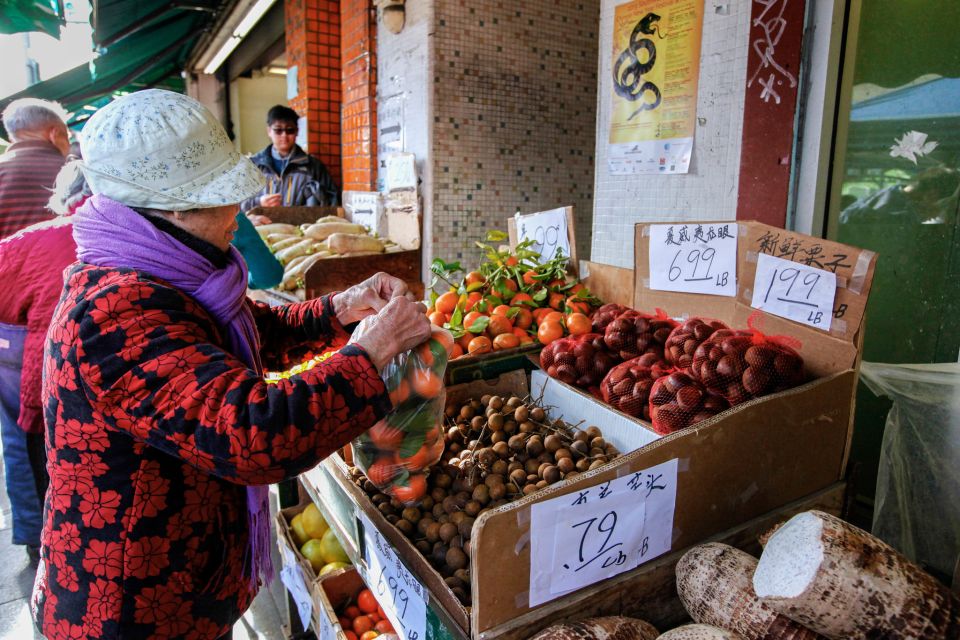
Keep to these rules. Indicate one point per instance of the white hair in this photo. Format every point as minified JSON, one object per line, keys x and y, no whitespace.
{"x":69,"y":188}
{"x":32,"y":115}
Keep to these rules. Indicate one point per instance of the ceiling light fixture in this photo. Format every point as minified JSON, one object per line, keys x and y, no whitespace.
{"x":246,"y":25}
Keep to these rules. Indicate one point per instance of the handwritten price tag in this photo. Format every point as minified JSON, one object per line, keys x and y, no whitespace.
{"x":402,"y":597}
{"x":594,"y":534}
{"x":794,"y":291}
{"x":548,"y":230}
{"x":694,"y":258}
{"x":296,"y":583}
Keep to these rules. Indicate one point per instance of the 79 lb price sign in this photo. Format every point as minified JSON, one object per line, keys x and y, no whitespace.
{"x":598,"y":532}
{"x":401,"y":595}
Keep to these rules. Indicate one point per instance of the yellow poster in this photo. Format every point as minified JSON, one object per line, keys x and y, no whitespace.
{"x":655,"y":66}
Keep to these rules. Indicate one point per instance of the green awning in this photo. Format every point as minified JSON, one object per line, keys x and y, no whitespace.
{"x":116,"y":20}
{"x":152,"y":58}
{"x":18,"y":16}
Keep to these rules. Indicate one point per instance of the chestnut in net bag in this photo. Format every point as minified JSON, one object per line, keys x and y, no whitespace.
{"x":678,"y":401}
{"x":633,"y":333}
{"x":627,"y":386}
{"x":745,"y":363}
{"x":581,"y":360}
{"x":605,"y":315}
{"x":683,"y":341}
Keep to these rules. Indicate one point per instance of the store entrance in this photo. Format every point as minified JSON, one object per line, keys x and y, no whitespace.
{"x":895,"y":184}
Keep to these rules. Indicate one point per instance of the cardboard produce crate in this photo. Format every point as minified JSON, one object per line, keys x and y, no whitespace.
{"x":334,"y":592}
{"x":337,"y":274}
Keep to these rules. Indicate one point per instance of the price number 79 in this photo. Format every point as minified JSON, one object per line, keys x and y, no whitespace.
{"x":600,"y":530}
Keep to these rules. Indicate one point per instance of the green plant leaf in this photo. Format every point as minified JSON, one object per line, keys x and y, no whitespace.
{"x":512,"y":312}
{"x":540,"y":295}
{"x":496,"y":235}
{"x":456,"y":320}
{"x":476,"y":286}
{"x":479,"y":325}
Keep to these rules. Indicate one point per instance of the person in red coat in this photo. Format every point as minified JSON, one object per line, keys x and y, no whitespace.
{"x":162,"y":432}
{"x":34,"y":258}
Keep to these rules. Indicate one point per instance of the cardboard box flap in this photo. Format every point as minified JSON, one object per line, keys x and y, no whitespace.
{"x":607,"y":282}
{"x":825,"y":352}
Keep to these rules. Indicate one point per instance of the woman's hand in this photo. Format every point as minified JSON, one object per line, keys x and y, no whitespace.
{"x":368,"y":297}
{"x":399,"y":326}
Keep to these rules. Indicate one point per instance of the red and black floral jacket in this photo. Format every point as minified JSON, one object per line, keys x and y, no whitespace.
{"x":153,"y":429}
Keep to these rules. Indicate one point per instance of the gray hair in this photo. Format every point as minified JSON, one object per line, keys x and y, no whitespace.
{"x":69,"y":189}
{"x":31,"y":114}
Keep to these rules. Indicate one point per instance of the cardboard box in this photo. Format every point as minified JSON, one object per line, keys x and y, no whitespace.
{"x":337,"y":274}
{"x":334,"y":592}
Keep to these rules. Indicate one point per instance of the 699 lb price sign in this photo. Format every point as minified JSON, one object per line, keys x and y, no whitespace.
{"x":401,"y":595}
{"x":694,"y":258}
{"x":596,"y":533}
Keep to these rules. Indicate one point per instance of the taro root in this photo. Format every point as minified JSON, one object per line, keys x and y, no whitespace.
{"x":683,"y":341}
{"x":744,"y":364}
{"x":627,"y":386}
{"x":581,"y":360}
{"x":633,"y":334}
{"x":605,"y":315}
{"x":678,"y":401}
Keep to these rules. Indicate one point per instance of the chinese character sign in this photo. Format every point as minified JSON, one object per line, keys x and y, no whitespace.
{"x":655,"y":67}
{"x":596,"y":533}
{"x":694,"y":258}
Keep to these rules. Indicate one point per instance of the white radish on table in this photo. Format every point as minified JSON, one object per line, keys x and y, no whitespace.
{"x":606,"y":628}
{"x":713,"y":581}
{"x":840,"y":580}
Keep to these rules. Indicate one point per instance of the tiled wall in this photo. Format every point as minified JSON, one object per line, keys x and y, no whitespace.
{"x":709,"y":191}
{"x":514,"y":108}
{"x":313,"y":45}
{"x":359,"y":85}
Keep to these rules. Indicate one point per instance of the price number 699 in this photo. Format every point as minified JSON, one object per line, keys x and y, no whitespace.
{"x":696,"y":267}
{"x":398,"y":596}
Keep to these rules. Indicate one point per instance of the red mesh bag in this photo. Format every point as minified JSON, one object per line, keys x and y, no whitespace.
{"x":678,"y":401}
{"x":632,"y":333}
{"x":581,"y":360}
{"x":744,"y":364}
{"x":605,"y":315}
{"x":627,"y":386}
{"x":683,"y":341}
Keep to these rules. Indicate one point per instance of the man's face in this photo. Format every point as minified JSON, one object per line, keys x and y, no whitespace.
{"x":283,"y":135}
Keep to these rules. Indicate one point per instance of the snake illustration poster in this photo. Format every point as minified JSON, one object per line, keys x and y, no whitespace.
{"x":656,"y":62}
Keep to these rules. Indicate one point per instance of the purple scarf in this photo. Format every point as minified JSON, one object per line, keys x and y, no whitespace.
{"x":109,"y":234}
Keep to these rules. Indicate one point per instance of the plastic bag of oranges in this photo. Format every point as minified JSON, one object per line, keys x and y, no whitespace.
{"x":398,"y":451}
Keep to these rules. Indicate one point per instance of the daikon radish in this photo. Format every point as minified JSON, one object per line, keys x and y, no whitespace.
{"x":713,"y":581}
{"x":699,"y":632}
{"x":353,"y":243}
{"x":845,"y":583}
{"x":288,"y":241}
{"x":277,"y":227}
{"x":330,"y":219}
{"x":322,"y":231}
{"x":303,"y":247}
{"x":609,"y":628}
{"x":294,"y":262}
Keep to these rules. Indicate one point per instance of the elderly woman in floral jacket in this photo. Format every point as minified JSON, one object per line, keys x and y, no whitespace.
{"x":161,"y":431}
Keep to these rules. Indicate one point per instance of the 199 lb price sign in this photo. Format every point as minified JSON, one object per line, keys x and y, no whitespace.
{"x":598,"y":532}
{"x":401,"y":595}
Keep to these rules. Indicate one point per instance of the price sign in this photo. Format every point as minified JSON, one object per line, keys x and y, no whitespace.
{"x":595,"y":533}
{"x":547,"y":230}
{"x":363,"y":207}
{"x":293,"y":579}
{"x":402,"y":597}
{"x":794,"y":291}
{"x":694,"y":258}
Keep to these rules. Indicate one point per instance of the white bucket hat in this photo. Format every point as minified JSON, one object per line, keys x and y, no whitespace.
{"x":163,"y":150}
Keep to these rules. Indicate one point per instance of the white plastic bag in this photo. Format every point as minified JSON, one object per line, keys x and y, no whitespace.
{"x":917,"y":508}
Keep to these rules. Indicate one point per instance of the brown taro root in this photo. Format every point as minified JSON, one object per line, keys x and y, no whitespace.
{"x":678,"y":401}
{"x":683,"y":341}
{"x":634,"y":333}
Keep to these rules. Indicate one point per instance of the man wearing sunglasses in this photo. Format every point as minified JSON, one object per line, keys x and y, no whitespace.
{"x":294,"y":177}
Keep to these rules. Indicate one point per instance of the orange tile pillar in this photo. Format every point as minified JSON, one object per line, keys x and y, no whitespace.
{"x":358,"y":54}
{"x":313,"y":46}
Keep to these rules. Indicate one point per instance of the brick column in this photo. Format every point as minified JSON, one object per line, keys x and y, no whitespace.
{"x":313,"y":45}
{"x":358,"y":21}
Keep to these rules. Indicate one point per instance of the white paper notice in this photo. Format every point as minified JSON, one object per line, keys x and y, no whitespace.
{"x":363,"y":207}
{"x":694,"y":258}
{"x":591,"y":535}
{"x":794,"y":291}
{"x":547,"y":230}
{"x":402,"y":597}
{"x":291,"y":575}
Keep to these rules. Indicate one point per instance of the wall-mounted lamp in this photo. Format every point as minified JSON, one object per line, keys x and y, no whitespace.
{"x":393,"y":14}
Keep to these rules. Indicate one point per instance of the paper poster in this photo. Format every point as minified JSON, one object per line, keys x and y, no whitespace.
{"x":548,"y":230}
{"x":794,"y":291}
{"x":595,"y":533}
{"x":694,"y":258}
{"x":291,"y":575}
{"x":656,"y":63}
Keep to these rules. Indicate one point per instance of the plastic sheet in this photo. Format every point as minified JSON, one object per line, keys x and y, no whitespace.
{"x":917,"y":508}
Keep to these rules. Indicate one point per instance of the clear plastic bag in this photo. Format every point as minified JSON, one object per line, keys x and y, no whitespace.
{"x":917,"y":510}
{"x":399,"y":450}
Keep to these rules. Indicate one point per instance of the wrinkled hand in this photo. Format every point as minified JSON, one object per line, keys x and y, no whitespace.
{"x":368,"y":297}
{"x":271,"y":200}
{"x":257,"y":220}
{"x":399,"y":326}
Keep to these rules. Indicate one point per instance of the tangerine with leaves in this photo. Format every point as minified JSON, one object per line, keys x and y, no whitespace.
{"x":578,"y":324}
{"x":506,"y":341}
{"x":366,"y":601}
{"x":549,"y":331}
{"x":480,"y":344}
{"x":499,"y":325}
{"x":447,"y":302}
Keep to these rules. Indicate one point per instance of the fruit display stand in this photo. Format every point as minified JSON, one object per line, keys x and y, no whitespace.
{"x":337,"y":274}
